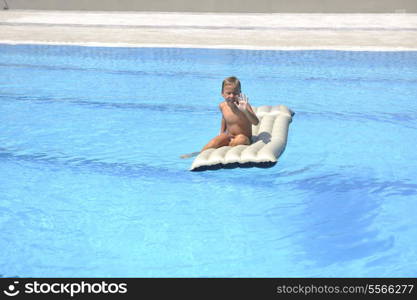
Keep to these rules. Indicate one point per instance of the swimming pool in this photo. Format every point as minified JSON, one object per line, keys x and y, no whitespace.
{"x":92,"y":184}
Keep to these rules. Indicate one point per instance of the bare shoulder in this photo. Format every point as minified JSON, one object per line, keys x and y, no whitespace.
{"x":221,"y":105}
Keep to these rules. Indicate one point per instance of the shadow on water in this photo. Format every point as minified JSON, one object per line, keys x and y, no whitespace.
{"x":338,"y":222}
{"x":59,"y":162}
{"x":132,"y":106}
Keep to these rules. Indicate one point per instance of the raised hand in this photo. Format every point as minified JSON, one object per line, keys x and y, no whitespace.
{"x":243,"y":102}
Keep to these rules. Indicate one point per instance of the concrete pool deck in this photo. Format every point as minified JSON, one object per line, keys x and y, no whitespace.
{"x":372,"y":32}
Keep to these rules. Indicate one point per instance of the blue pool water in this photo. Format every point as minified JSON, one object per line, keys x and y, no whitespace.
{"x":92,"y":184}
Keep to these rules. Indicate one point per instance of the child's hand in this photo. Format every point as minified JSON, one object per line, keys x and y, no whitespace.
{"x":243,"y":102}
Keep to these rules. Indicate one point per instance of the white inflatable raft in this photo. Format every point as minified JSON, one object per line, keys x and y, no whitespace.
{"x":269,"y":139}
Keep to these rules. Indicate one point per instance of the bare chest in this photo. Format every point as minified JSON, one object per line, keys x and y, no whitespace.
{"x":233,"y":116}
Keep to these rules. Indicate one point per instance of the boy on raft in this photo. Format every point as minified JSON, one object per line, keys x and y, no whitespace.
{"x":237,"y":118}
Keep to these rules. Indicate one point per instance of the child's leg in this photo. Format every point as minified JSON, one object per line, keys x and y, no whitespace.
{"x":219,"y":141}
{"x":240,"y":139}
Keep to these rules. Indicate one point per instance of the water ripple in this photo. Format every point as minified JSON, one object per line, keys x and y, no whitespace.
{"x":125,"y":169}
{"x":206,"y":75}
{"x":407,"y":119}
{"x":141,"y":73}
{"x":180,"y":108}
{"x":95,"y":165}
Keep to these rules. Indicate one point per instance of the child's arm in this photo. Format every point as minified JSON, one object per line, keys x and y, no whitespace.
{"x":251,"y":115}
{"x":223,"y":126}
{"x":245,"y":107}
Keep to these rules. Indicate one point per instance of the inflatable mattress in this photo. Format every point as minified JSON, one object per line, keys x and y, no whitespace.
{"x":269,"y":139}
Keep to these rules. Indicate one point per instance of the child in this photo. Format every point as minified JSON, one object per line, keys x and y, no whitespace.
{"x":237,"y":120}
{"x":238,"y":117}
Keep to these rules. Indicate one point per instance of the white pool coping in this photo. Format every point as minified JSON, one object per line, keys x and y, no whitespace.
{"x":365,"y":32}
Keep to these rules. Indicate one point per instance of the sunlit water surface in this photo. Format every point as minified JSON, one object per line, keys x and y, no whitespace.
{"x":92,"y":184}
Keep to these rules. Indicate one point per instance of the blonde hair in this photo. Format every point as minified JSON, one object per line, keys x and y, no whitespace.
{"x":232,"y":80}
